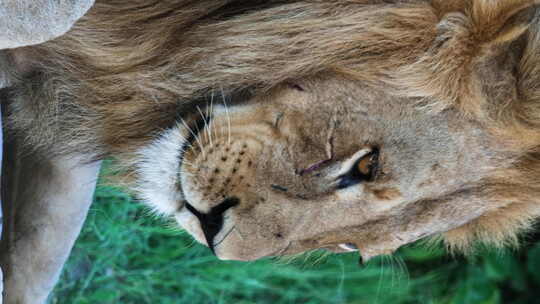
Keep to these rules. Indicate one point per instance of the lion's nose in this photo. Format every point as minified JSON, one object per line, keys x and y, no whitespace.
{"x":212,"y":222}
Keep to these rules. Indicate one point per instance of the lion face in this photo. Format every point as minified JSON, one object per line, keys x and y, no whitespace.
{"x":327,"y":163}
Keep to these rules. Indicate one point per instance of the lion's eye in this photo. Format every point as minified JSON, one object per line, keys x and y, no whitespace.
{"x":366,"y":164}
{"x":363,"y":170}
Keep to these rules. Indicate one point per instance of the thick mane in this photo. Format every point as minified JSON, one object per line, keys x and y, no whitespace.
{"x":130,"y":66}
{"x":127,"y":71}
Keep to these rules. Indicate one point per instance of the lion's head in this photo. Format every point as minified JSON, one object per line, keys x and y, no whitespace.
{"x":325,"y":163}
{"x":367,"y":124}
{"x":342,"y":162}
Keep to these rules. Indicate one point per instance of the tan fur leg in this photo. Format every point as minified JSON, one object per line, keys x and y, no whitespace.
{"x":45,"y":202}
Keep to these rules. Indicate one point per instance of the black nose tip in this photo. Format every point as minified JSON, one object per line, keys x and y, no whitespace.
{"x":212,"y":222}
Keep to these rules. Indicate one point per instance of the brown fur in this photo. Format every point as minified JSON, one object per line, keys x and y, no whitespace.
{"x":127,"y":70}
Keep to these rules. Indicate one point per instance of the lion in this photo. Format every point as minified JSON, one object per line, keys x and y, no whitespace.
{"x":278,"y":127}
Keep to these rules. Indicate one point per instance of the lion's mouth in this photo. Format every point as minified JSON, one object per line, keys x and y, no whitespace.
{"x":212,"y":222}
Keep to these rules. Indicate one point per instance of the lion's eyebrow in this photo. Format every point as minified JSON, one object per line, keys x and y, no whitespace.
{"x":329,"y":149}
{"x":314,"y":167}
{"x":330,"y":137}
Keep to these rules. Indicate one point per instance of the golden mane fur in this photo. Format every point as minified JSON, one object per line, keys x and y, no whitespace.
{"x":128,"y":70}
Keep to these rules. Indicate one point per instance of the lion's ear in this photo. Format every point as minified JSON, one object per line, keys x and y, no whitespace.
{"x":498,"y":22}
{"x":501,"y":32}
{"x":499,"y":42}
{"x":489,"y":20}
{"x":476,"y":44}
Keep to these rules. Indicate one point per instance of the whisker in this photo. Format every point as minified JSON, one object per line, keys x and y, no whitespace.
{"x":320,"y":258}
{"x":228,"y":115}
{"x":381,"y":278}
{"x":188,"y":163}
{"x":198,"y":137}
{"x":188,"y":147}
{"x":225,"y":236}
{"x":206,"y":125}
{"x":220,"y":130}
{"x":208,"y":113}
{"x":403,"y":268}
{"x":212,"y":125}
{"x":208,"y":109}
{"x":393,"y":273}
{"x":195,"y":136}
{"x":239,"y":234}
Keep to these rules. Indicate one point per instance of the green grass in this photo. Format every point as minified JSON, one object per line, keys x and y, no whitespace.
{"x":125,"y":255}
